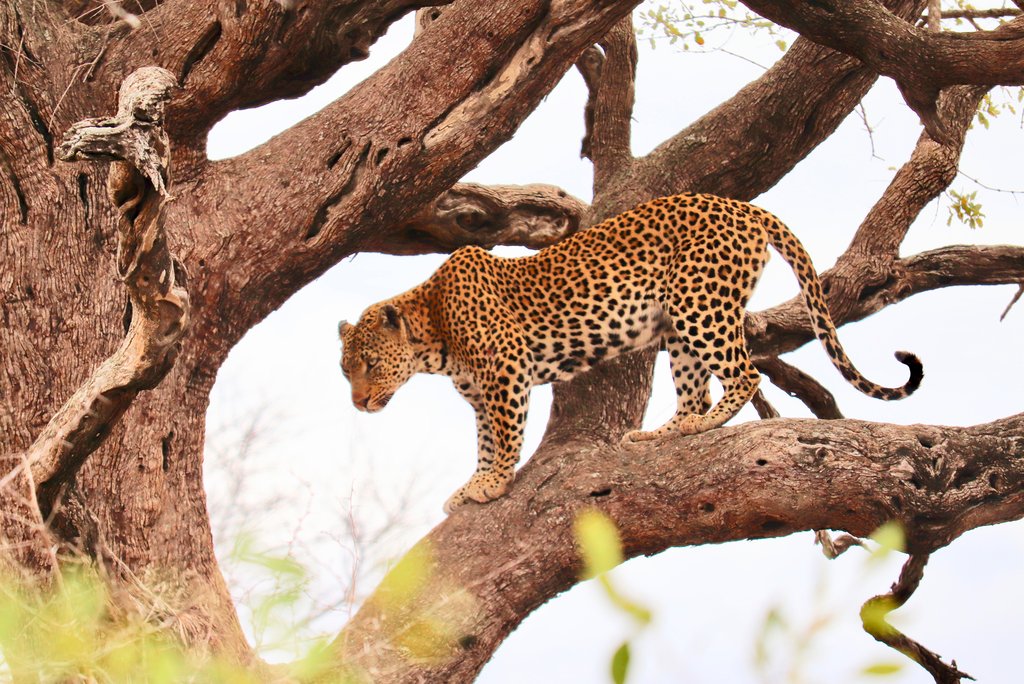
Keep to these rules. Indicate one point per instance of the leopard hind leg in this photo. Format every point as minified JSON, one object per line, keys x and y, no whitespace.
{"x":693,"y":393}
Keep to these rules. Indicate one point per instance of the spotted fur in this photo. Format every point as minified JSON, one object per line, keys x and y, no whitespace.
{"x":677,"y":271}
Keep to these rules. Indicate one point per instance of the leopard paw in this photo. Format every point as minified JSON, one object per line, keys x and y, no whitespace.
{"x":635,"y":436}
{"x":479,"y":489}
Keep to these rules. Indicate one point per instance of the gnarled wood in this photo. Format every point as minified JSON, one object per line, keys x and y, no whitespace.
{"x":533,"y":216}
{"x":135,"y":141}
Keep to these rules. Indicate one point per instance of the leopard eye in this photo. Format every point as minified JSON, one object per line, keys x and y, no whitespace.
{"x":371,"y":362}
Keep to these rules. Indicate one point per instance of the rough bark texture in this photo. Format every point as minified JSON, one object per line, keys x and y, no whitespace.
{"x":757,"y":480}
{"x":377,"y":170}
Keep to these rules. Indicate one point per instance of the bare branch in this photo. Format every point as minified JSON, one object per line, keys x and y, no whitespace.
{"x":970,"y":13}
{"x":833,"y":548}
{"x":764,"y":409}
{"x":786,"y":328}
{"x":874,"y":611}
{"x":136,"y":142}
{"x":871,"y":262}
{"x":796,"y":383}
{"x":1016,"y":297}
{"x":610,"y":76}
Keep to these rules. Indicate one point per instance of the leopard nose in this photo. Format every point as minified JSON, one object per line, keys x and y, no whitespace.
{"x":361,"y":401}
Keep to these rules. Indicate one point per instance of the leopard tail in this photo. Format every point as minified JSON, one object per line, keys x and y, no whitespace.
{"x":787,"y":244}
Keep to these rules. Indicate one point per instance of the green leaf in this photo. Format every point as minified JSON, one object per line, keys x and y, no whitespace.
{"x":882,"y":669}
{"x":620,"y":663}
{"x":598,"y":541}
{"x":635,"y":610}
{"x":889,"y":537}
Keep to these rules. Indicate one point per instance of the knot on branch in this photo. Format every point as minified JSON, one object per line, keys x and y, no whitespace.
{"x":135,"y":134}
{"x":532,"y":216}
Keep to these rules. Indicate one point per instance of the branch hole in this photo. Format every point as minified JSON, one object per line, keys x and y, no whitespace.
{"x":926,"y":442}
{"x":380,"y":156}
{"x":402,"y":142}
{"x":30,"y":292}
{"x":915,"y":482}
{"x":897,"y":503}
{"x":707,"y":507}
{"x":333,"y":159}
{"x":199,"y":51}
{"x":772,"y":525}
{"x":963,"y":476}
{"x":468,"y":641}
{"x":601,"y":492}
{"x":762,"y":461}
{"x":165,"y":449}
{"x":994,"y":481}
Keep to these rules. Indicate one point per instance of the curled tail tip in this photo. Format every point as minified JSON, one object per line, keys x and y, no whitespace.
{"x":916,"y":371}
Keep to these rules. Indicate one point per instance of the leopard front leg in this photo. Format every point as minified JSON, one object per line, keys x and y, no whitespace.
{"x":500,"y":418}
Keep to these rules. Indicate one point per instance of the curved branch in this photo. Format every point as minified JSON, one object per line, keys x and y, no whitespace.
{"x":796,"y":383}
{"x":874,"y":611}
{"x":136,"y":142}
{"x":921,"y":62}
{"x":744,"y":482}
{"x":786,"y":327}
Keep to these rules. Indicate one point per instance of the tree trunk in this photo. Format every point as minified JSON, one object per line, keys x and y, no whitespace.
{"x":377,"y":170}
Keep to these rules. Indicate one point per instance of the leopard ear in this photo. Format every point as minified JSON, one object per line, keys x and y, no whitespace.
{"x":392,"y":317}
{"x":342,"y":327}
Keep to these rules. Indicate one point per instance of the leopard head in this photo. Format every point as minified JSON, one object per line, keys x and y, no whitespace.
{"x":376,"y":356}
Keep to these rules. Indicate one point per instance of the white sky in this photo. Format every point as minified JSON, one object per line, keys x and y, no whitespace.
{"x":331,"y":464}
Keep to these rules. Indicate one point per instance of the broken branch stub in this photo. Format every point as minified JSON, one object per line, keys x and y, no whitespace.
{"x":137,"y":145}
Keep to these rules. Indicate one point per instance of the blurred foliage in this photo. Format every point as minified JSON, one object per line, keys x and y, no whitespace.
{"x":600,"y":546}
{"x":76,"y":631}
{"x":786,"y":647}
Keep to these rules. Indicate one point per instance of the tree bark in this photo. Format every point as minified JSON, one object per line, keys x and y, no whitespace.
{"x":377,"y":170}
{"x":757,"y":480}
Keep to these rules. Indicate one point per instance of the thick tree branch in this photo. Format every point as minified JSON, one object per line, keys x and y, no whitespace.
{"x":744,"y":482}
{"x":747,"y":144}
{"x":135,"y":141}
{"x":921,"y":62}
{"x":470,"y":214}
{"x":786,"y":327}
{"x":332,"y":184}
{"x":229,"y":56}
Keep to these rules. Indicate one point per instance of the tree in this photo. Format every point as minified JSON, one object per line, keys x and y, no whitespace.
{"x":113,"y":473}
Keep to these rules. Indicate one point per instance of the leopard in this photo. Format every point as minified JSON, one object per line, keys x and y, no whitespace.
{"x":675,"y":271}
